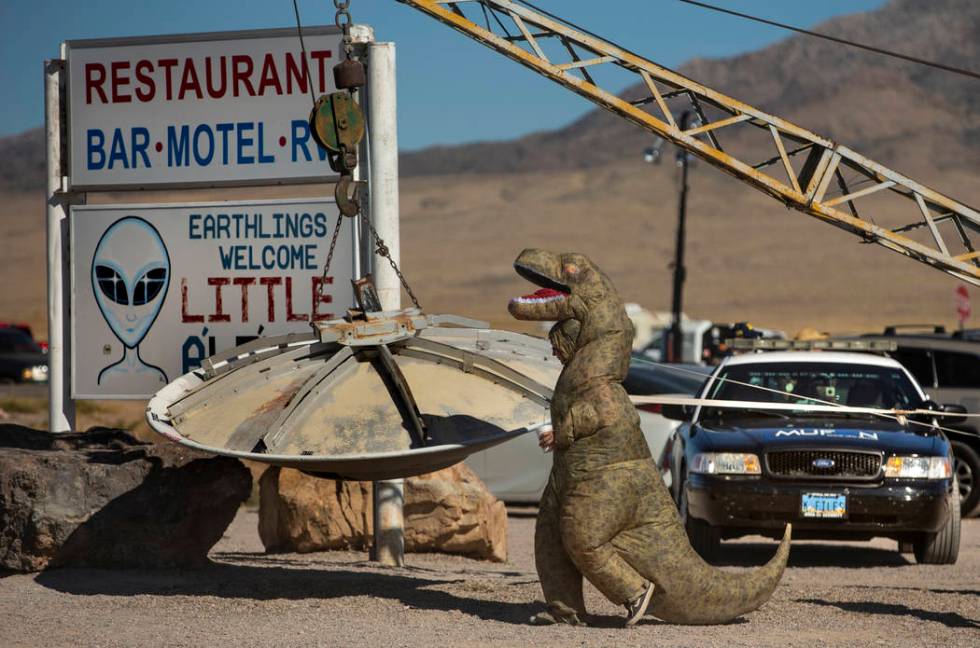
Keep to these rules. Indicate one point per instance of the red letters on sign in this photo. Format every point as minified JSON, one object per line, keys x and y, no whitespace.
{"x":270,"y":283}
{"x":94,"y":78}
{"x":290,"y":315}
{"x":120,"y":81}
{"x":214,"y":77}
{"x":219,"y":315}
{"x":184,"y":315}
{"x":144,"y":75}
{"x":244,"y":282}
{"x":241,"y":74}
{"x":216,"y":308}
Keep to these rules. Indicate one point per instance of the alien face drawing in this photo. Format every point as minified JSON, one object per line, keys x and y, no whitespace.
{"x":130,"y":277}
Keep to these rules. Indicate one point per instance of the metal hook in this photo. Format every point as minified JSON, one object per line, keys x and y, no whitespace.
{"x":347,"y":193}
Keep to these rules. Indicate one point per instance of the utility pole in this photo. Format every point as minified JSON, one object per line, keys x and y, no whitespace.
{"x":675,"y":350}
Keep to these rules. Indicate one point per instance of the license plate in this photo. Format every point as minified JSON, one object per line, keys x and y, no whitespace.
{"x":824,"y":505}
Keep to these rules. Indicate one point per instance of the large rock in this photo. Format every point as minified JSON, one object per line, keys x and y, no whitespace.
{"x":104,"y":499}
{"x":448,"y":511}
{"x":302,"y":513}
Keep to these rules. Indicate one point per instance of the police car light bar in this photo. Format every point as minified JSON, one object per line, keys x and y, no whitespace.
{"x":768,"y":344}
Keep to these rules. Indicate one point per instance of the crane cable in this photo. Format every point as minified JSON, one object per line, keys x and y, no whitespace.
{"x":842,"y":41}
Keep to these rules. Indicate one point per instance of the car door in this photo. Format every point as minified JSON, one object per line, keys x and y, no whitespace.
{"x":958,"y":379}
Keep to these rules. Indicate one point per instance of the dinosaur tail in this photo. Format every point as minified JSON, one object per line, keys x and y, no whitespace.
{"x":709,"y":595}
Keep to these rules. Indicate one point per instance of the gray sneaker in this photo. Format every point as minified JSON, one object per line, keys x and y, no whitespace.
{"x":547,"y":618}
{"x":637,"y":608}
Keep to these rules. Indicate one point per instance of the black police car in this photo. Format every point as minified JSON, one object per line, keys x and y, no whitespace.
{"x":834,"y":475}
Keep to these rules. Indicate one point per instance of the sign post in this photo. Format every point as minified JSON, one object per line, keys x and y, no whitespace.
{"x":962,"y":305}
{"x":61,"y":406}
{"x":389,"y":496}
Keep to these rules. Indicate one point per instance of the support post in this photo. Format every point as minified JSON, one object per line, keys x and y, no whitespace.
{"x":389,"y":533}
{"x":61,"y":406}
{"x":675,"y":353}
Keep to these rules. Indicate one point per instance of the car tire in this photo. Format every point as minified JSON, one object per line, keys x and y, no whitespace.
{"x":966,"y":467}
{"x":943,"y":546}
{"x":704,"y":538}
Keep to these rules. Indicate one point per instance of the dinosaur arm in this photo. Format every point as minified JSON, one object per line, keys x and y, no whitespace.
{"x":581,"y":421}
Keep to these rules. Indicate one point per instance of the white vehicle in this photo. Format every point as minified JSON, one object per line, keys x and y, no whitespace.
{"x":517,"y":471}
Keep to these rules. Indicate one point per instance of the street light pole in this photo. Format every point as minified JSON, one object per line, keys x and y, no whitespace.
{"x":675,"y":352}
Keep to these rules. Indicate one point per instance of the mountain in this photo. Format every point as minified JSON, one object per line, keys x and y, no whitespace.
{"x":888,"y":109}
{"x":468,"y":210}
{"x":22,"y":164}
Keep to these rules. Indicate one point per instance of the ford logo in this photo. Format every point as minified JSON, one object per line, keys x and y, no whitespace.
{"x":823,"y":463}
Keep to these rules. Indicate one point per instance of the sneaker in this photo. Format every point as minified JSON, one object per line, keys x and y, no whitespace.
{"x":547,"y":618}
{"x":637,"y":608}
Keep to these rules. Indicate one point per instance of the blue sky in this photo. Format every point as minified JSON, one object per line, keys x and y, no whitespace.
{"x":451,"y":89}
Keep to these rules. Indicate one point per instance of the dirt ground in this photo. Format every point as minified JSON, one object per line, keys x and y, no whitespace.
{"x":856,"y":594}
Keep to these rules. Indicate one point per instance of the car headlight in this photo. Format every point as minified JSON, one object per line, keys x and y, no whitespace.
{"x":726,"y":463}
{"x":919,"y":467}
{"x":37,"y":373}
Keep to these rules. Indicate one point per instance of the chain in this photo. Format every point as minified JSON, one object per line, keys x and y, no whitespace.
{"x":326,"y":266}
{"x":343,"y":21}
{"x":302,"y":44}
{"x":383,"y":250}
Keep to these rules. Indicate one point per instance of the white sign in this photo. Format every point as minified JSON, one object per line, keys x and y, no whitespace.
{"x":225,"y":108}
{"x":156,"y":289}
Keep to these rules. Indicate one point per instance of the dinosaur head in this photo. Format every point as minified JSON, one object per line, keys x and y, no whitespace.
{"x":570,"y":286}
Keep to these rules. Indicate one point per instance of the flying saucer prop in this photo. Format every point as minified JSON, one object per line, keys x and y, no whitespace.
{"x":372,"y":396}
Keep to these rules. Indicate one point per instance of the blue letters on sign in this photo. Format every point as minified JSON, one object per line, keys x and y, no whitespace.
{"x":96,"y":149}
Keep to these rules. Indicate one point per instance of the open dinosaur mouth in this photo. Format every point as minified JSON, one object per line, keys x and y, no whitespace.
{"x":542,"y":296}
{"x":550,"y":301}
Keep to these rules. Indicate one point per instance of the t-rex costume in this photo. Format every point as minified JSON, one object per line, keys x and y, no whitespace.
{"x":606,"y":512}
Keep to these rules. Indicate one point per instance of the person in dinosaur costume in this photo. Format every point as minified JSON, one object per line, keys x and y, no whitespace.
{"x":605,"y":512}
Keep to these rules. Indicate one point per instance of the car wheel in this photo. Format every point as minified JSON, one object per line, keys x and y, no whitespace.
{"x":705,"y":539}
{"x":942,"y":547}
{"x":966,"y":467}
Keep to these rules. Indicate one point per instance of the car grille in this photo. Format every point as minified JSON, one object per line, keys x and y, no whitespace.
{"x":815,"y":464}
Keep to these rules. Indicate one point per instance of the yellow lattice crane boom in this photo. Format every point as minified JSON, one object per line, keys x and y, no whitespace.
{"x":803,"y":170}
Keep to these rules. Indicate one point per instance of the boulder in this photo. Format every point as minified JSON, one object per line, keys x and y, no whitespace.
{"x":302,"y":513}
{"x":448,"y":511}
{"x":451,"y":511}
{"x":103,"y":499}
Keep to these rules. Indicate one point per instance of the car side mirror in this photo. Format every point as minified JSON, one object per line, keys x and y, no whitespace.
{"x":676,"y":412}
{"x":953,"y":408}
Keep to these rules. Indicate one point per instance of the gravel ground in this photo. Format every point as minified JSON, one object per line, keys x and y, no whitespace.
{"x":832,"y":594}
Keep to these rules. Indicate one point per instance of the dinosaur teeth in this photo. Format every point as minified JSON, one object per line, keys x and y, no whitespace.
{"x":537,"y":300}
{"x":542,"y":296}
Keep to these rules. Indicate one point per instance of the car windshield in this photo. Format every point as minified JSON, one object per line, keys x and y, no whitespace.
{"x":811,"y":383}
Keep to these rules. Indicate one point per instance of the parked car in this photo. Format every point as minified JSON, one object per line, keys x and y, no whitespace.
{"x":21,"y":359}
{"x":517,"y":471}
{"x":26,"y":329}
{"x":948,"y":368}
{"x":833,"y":475}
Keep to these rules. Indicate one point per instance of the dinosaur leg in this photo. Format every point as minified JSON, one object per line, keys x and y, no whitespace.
{"x":561,"y":581}
{"x":593,"y":513}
